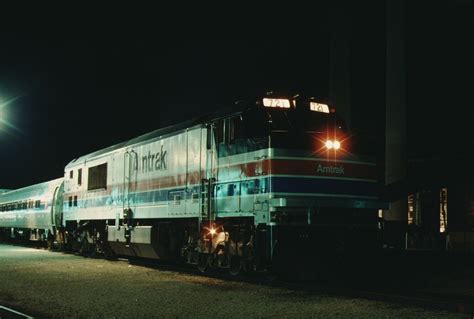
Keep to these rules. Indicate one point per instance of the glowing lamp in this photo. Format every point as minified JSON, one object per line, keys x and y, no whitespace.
{"x":332,"y":145}
{"x":319,"y":107}
{"x":329,"y":144}
{"x":278,"y":103}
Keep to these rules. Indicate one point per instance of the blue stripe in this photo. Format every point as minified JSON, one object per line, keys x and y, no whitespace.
{"x":324,"y":186}
{"x":254,"y":186}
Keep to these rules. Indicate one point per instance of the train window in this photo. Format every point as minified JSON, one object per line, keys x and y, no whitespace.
{"x":71,"y":174}
{"x":210,"y":128}
{"x":97,"y":177}
{"x":79,"y":176}
{"x":236,"y":128}
{"x":228,"y":130}
{"x":25,"y":205}
{"x":232,"y":129}
{"x":220,"y":132}
{"x":75,"y":201}
{"x":70,"y":201}
{"x":37,"y":203}
{"x":195,"y":198}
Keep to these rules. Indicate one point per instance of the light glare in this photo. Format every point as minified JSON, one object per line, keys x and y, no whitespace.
{"x":4,"y":122}
{"x":332,"y":144}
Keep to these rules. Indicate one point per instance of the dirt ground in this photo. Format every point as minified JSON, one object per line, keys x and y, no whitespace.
{"x":47,"y":284}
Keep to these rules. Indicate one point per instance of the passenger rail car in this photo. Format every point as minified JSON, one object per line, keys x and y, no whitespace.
{"x":231,"y":189}
{"x":33,"y":212}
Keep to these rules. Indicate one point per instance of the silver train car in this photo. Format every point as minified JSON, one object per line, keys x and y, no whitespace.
{"x":33,"y":212}
{"x":234,"y":189}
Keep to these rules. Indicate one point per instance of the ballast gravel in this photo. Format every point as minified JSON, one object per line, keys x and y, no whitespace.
{"x":47,"y":284}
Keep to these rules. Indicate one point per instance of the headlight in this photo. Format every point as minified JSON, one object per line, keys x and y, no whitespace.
{"x":333,"y":145}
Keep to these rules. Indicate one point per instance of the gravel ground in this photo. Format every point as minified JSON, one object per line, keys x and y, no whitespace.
{"x":54,"y":285}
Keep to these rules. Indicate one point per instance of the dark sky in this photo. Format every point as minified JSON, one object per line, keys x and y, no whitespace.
{"x":85,"y":82}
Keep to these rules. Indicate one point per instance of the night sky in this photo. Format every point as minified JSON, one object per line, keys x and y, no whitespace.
{"x":81,"y":83}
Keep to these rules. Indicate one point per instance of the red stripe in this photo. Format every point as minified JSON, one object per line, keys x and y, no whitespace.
{"x":261,"y":168}
{"x":305,"y":167}
{"x":308,"y":168}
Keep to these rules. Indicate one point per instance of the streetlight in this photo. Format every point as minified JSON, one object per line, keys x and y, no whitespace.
{"x":1,"y":113}
{"x":4,"y":123}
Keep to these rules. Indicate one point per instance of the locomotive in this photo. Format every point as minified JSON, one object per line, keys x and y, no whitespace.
{"x":236,"y":188}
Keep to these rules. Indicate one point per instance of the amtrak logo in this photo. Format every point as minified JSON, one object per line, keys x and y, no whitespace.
{"x":330,"y":170}
{"x":154,"y":161}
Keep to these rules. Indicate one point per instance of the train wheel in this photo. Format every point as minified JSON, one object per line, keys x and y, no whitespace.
{"x":203,"y":262}
{"x":235,"y":265}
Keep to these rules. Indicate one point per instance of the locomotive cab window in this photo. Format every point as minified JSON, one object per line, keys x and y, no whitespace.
{"x":228,"y":130}
{"x":97,"y":177}
{"x":232,"y":129}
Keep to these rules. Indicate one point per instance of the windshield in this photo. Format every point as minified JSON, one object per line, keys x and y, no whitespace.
{"x":304,"y":130}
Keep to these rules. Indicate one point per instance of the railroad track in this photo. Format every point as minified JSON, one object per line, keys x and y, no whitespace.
{"x":8,"y":313}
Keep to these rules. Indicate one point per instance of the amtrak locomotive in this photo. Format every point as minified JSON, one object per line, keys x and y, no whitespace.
{"x":235,"y":189}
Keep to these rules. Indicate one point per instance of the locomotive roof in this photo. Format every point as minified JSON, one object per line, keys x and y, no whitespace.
{"x":165,"y":131}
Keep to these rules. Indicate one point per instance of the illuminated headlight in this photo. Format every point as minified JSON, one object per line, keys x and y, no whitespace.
{"x":212,"y":232}
{"x":333,"y":145}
